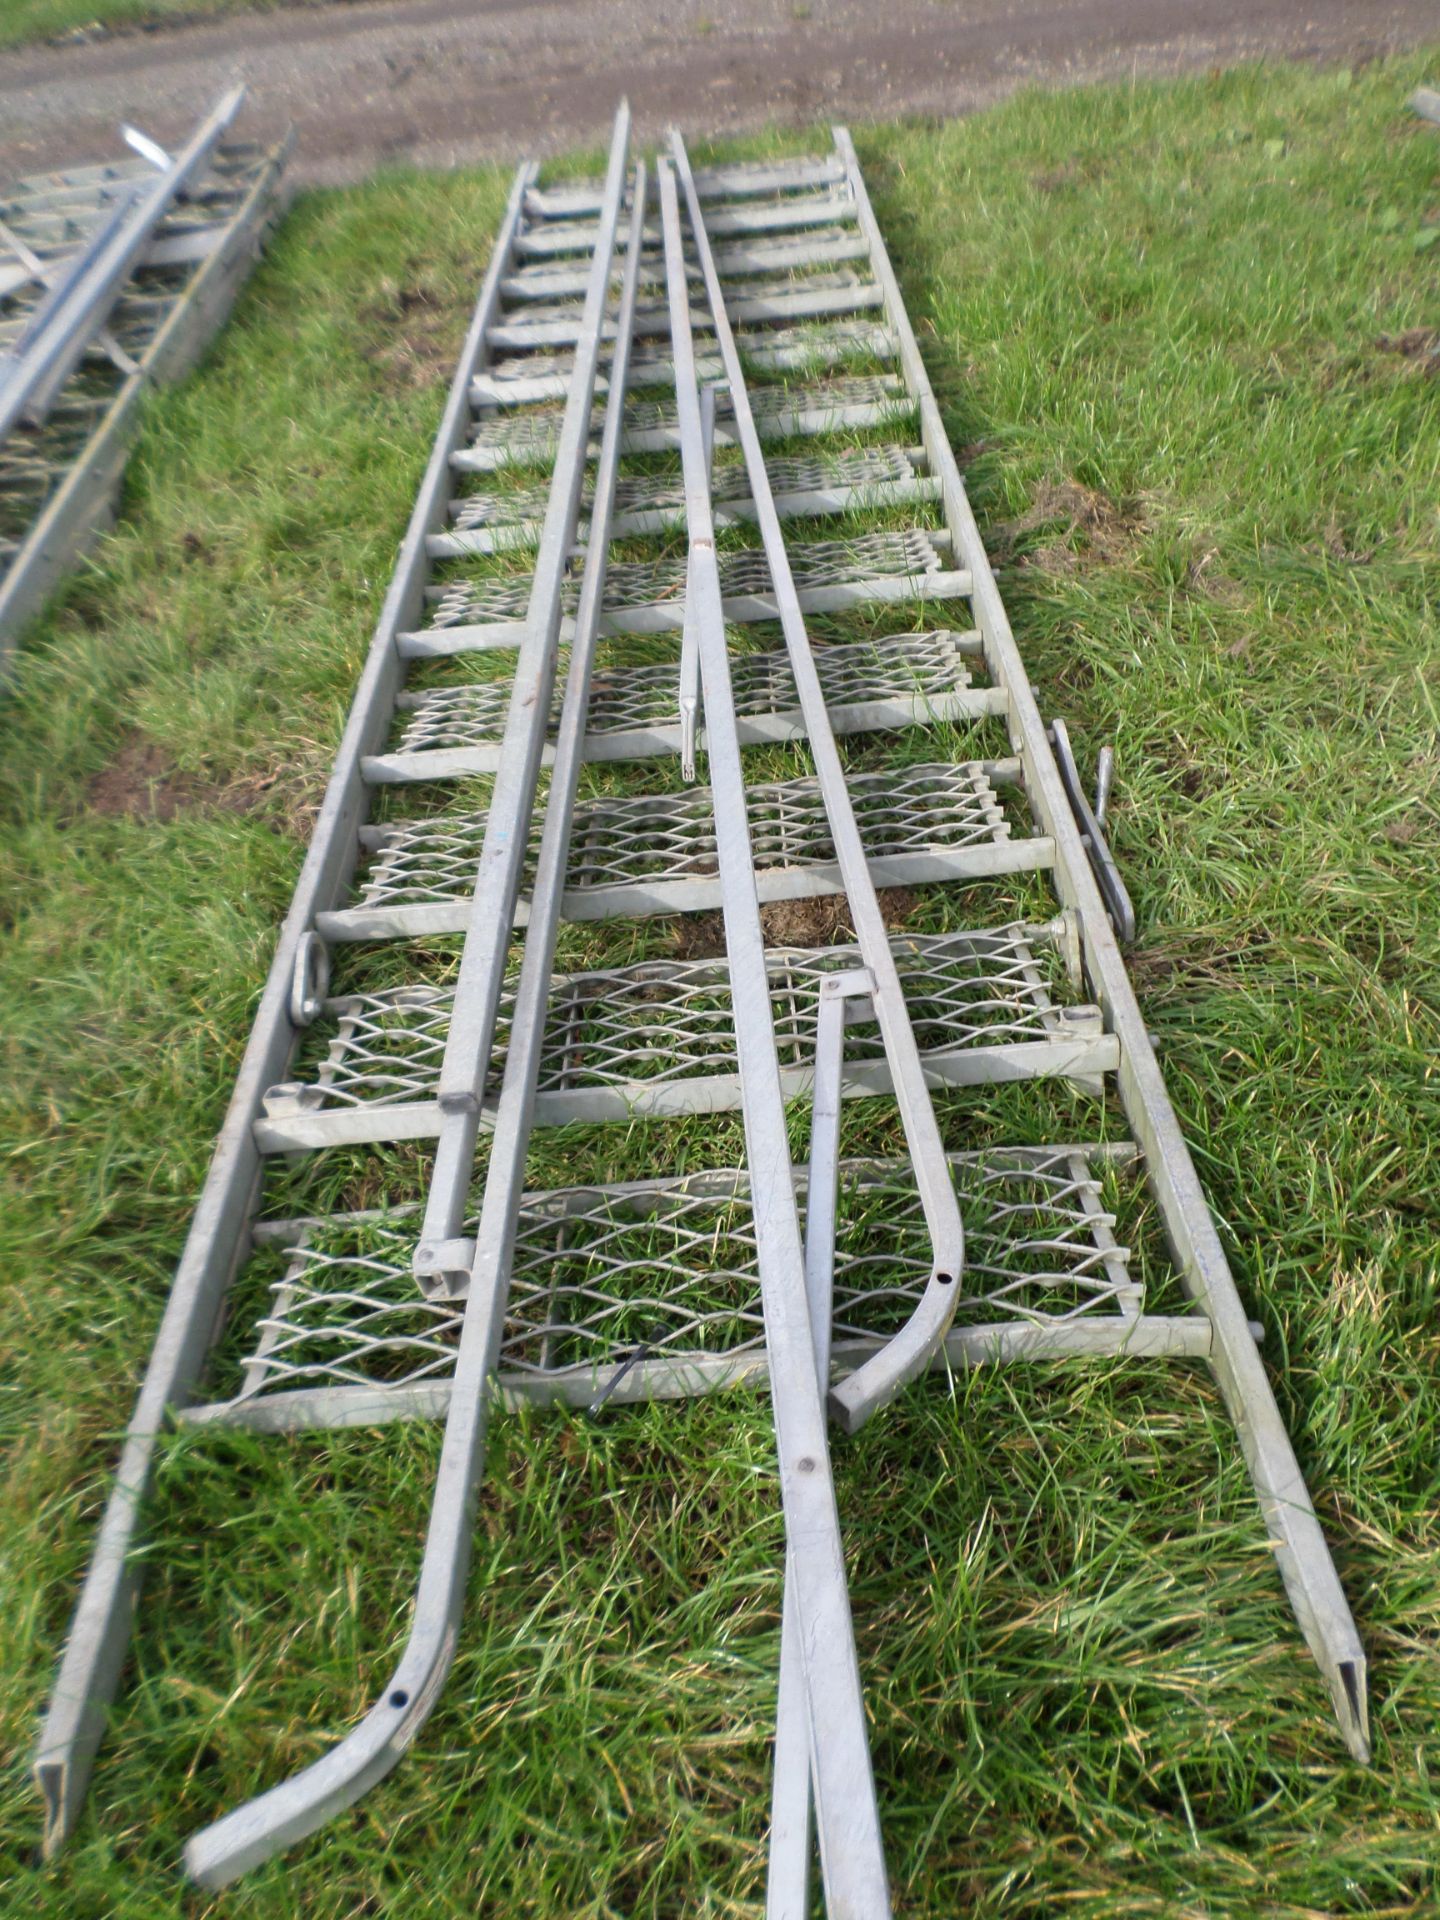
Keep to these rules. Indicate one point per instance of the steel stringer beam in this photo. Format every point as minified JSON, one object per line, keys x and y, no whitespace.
{"x":98,"y":1639}
{"x":1294,"y":1530}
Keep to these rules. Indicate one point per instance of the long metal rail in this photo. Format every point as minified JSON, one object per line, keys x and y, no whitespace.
{"x":815,"y":483}
{"x":443,"y":1257}
{"x":847,"y":1815}
{"x":911,"y":1351}
{"x":96,"y":1647}
{"x":297,"y":1806}
{"x":1294,"y":1531}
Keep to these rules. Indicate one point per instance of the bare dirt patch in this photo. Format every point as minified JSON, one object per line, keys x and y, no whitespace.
{"x":1420,"y":344}
{"x":1107,"y":533}
{"x":1403,"y":829}
{"x":821,"y":922}
{"x":142,"y":782}
{"x":1339,"y":545}
{"x":421,"y":329}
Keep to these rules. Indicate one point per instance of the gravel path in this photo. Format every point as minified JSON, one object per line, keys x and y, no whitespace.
{"x":443,"y":81}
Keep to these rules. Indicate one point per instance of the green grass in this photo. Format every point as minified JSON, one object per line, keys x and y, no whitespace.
{"x":22,"y":22}
{"x":1154,"y":316}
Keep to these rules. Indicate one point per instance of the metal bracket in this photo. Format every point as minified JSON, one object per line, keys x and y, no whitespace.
{"x":689,"y":700}
{"x":147,"y":148}
{"x":1091,"y":822}
{"x":310,"y":980}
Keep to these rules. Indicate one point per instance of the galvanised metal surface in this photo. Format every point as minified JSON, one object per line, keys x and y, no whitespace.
{"x":148,"y":274}
{"x":297,"y":1806}
{"x":76,"y":302}
{"x":801,"y":597}
{"x":844,"y":1788}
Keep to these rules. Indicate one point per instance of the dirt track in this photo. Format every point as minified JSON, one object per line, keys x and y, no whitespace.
{"x":442,"y":81}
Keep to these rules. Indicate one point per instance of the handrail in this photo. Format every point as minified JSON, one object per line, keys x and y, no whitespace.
{"x":910,"y":1351}
{"x":851,"y":1851}
{"x":296,"y":1807}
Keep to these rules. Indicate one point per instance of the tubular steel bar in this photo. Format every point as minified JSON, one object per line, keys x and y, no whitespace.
{"x":95,"y":1651}
{"x":909,"y":1353}
{"x":77,"y":310}
{"x":787,"y":1891}
{"x":848,"y":1820}
{"x":505,"y":1169}
{"x":689,"y":689}
{"x":1294,"y":1531}
{"x":443,"y":1258}
{"x":298,"y":1806}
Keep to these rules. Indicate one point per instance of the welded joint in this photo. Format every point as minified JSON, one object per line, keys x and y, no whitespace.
{"x":289,"y":1098}
{"x":1082,"y":1022}
{"x":442,"y":1267}
{"x":856,"y":987}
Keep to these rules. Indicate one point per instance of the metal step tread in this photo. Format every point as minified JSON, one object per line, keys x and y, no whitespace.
{"x":739,"y":179}
{"x":820,"y":247}
{"x":821,"y":407}
{"x":648,"y":596}
{"x":643,"y":854}
{"x":853,"y":478}
{"x":658,"y":1037}
{"x":545,"y":376}
{"x":649,"y":1290}
{"x":898,"y":680}
{"x":539,"y":327}
{"x":789,"y":214}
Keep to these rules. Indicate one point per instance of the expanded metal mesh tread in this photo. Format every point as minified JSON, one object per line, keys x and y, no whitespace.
{"x":735,"y":179}
{"x":57,"y":221}
{"x":132,"y":323}
{"x":829,"y":204}
{"x":817,"y":344}
{"x":823,"y":246}
{"x":629,"y":1030}
{"x":669,"y":1267}
{"x":56,"y":479}
{"x":653,"y":838}
{"x":650,"y":314}
{"x":912,"y":553}
{"x":532,"y":438}
{"x":857,"y":468}
{"x":896,"y":667}
{"x":33,"y":463}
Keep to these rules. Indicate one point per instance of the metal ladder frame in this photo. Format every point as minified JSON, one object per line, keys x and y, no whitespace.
{"x":797,"y":1285}
{"x":77,"y":483}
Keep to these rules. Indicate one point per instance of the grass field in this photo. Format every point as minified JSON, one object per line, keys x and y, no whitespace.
{"x":26,"y":21}
{"x":1182,"y":334}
